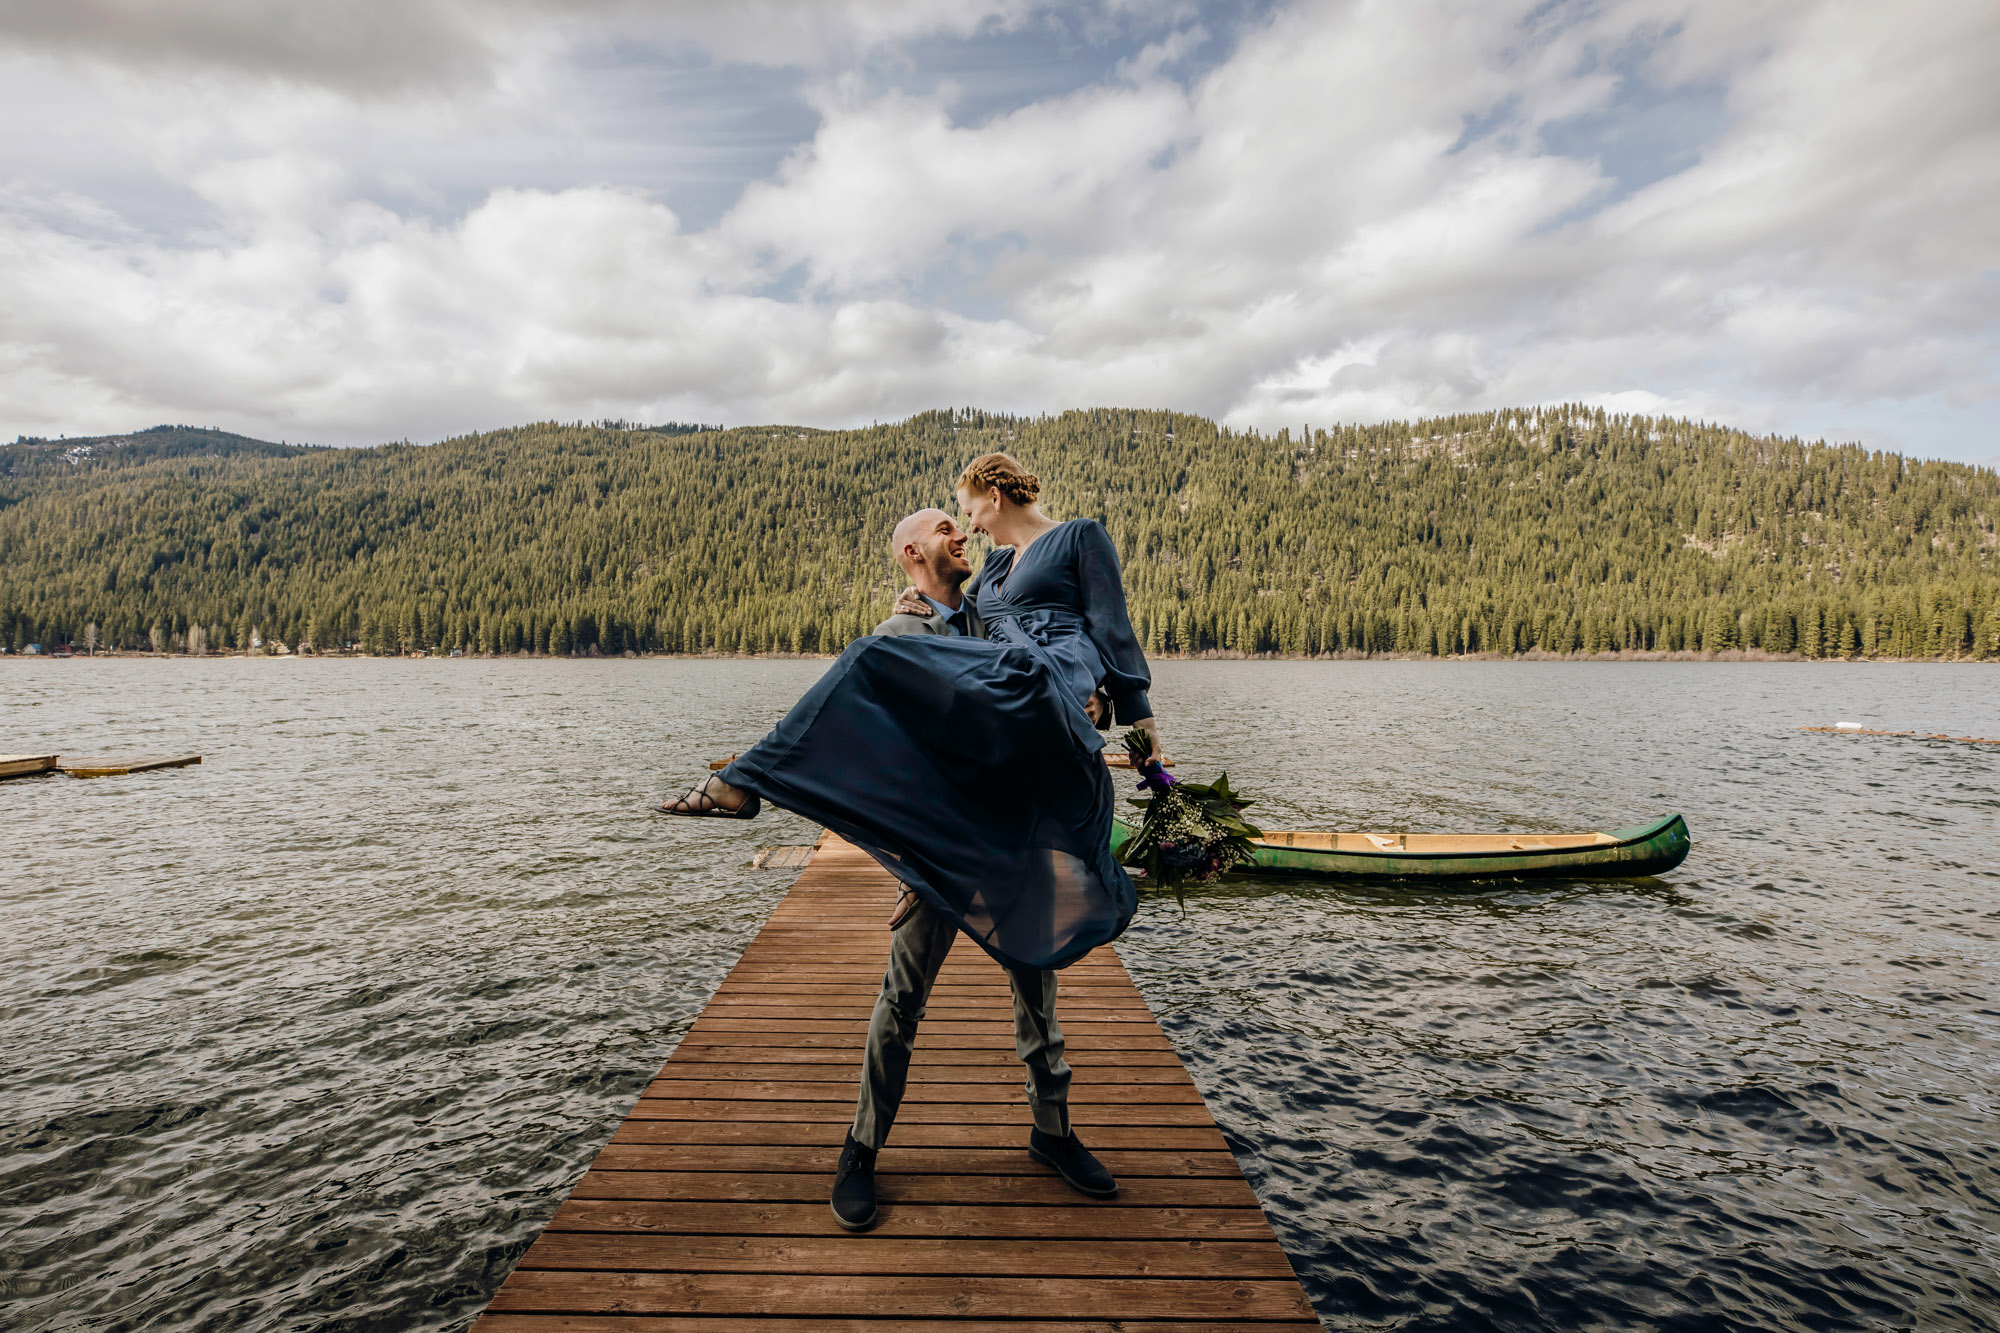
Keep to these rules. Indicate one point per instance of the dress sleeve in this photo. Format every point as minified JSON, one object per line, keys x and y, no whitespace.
{"x":1126,"y":678}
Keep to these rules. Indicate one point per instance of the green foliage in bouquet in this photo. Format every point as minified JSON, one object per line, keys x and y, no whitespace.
{"x":1192,"y":833}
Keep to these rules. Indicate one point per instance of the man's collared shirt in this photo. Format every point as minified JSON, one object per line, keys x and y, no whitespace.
{"x":952,"y":621}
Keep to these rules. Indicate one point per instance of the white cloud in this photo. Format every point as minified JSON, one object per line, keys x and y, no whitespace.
{"x":1305,"y":230}
{"x":889,"y":184}
{"x":414,"y":48}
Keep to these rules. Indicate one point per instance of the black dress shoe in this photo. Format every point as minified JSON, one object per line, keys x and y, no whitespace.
{"x":854,"y":1187}
{"x":1073,"y":1162}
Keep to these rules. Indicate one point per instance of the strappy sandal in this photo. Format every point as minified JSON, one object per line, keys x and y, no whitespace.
{"x":906,"y":903}
{"x":698,"y":804}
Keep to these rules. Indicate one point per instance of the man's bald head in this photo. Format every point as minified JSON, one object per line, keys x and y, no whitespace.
{"x":930,"y":548}
{"x":910,"y":530}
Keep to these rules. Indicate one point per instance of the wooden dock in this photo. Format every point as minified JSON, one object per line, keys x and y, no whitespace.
{"x":106,"y":768}
{"x":707,"y":1212}
{"x":26,"y":765}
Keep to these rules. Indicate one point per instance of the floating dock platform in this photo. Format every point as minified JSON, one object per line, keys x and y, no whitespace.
{"x":106,"y":768}
{"x":26,"y":765}
{"x":707,"y":1212}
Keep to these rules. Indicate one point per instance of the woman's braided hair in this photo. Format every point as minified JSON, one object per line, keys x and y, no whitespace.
{"x":989,"y":471}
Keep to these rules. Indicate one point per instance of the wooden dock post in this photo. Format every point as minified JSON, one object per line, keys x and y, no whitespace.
{"x":708,"y":1210}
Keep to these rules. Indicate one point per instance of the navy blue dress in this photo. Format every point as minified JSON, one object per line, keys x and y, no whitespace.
{"x":967,"y":767}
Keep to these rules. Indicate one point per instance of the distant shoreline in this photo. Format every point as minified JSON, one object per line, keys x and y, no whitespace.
{"x":1533,"y":655}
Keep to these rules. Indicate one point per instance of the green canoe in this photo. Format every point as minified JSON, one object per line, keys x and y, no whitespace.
{"x":1645,"y":849}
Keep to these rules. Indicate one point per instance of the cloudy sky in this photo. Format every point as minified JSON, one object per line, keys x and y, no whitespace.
{"x":413,"y":218}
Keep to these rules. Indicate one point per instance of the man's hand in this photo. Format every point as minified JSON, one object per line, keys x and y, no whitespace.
{"x":1098,"y":709}
{"x":910,"y":602}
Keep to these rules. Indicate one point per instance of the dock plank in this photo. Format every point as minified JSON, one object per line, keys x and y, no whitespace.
{"x":897,"y":1158}
{"x":709,"y":1323}
{"x":1045,"y":1190}
{"x":581,"y":1251}
{"x":766,"y":1070}
{"x":978,"y":1221}
{"x":707,"y":1212}
{"x":830,"y":1134}
{"x":913,"y":1296}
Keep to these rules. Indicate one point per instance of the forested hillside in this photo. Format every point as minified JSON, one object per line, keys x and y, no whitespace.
{"x":1564,"y":530}
{"x":32,"y":455}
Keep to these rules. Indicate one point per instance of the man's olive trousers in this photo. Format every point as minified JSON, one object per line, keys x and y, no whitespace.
{"x":917,"y":949}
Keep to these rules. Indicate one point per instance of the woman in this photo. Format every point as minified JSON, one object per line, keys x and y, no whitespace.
{"x":968,"y":767}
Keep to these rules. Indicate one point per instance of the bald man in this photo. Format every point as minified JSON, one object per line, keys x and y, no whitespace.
{"x":930,"y":548}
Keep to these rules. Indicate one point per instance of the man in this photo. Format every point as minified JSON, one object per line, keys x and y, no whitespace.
{"x":930,"y":548}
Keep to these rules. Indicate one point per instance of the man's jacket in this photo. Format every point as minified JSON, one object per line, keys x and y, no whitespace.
{"x":904,"y":623}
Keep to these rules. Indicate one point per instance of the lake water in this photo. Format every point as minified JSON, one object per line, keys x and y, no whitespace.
{"x":317,"y":1035}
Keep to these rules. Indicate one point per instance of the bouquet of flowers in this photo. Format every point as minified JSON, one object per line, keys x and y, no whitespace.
{"x":1191,"y":833}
